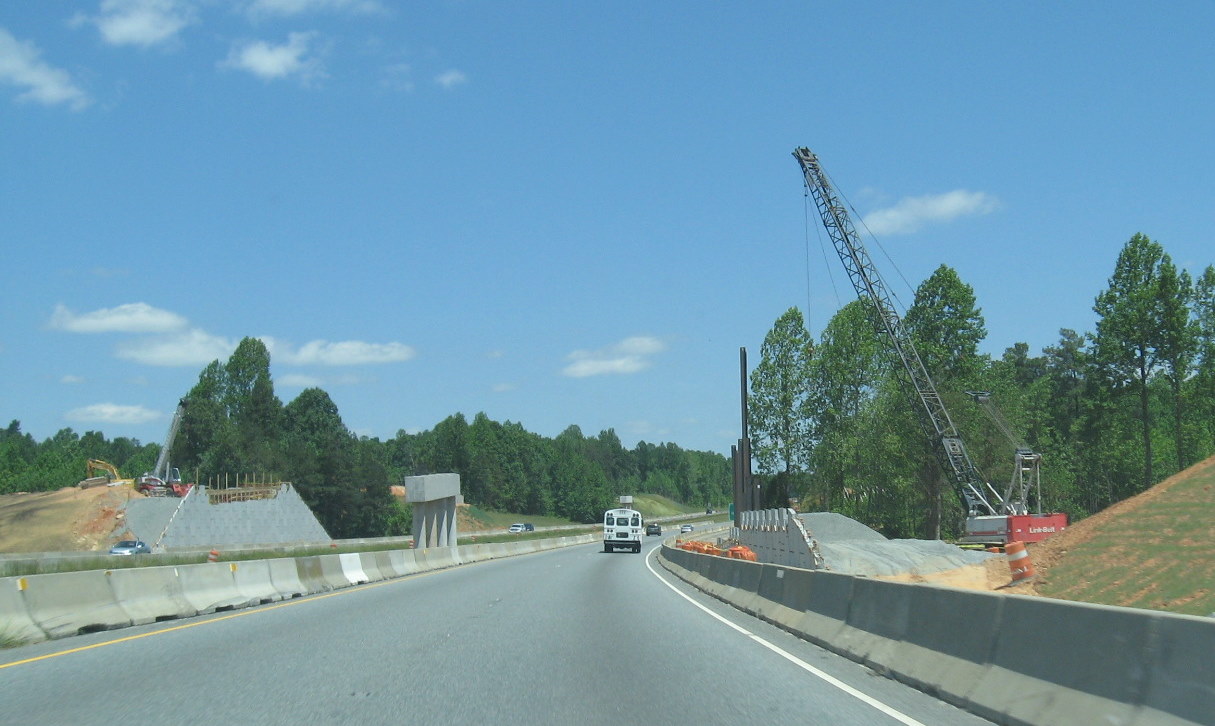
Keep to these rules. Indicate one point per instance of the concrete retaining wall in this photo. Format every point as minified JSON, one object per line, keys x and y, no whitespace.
{"x":37,"y":607}
{"x":1009,"y":658}
{"x":778,"y":536}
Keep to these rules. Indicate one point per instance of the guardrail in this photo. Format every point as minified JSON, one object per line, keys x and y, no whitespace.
{"x":1013,"y":659}
{"x":56,"y":605}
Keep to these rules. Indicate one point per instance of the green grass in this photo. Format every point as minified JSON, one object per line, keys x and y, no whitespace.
{"x":508,"y":537}
{"x":656,"y":505}
{"x":491,"y":519}
{"x":7,"y":639}
{"x":650,"y":506}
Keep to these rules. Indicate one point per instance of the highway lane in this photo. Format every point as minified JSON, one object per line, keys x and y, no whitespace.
{"x":573,"y":636}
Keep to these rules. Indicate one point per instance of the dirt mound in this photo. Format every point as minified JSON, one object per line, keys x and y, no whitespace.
{"x":67,"y":520}
{"x":1154,"y":550}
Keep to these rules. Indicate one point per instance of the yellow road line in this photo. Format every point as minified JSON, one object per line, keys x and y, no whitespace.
{"x":251,"y":611}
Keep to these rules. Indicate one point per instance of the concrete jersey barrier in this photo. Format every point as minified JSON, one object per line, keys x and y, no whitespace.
{"x":15,"y":621}
{"x":211,"y":587}
{"x":253,"y":580}
{"x":70,"y":603}
{"x":148,"y":594}
{"x":37,"y":607}
{"x":1013,"y":659}
{"x":285,"y":577}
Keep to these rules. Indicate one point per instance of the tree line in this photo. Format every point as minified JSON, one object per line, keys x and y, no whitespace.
{"x":234,"y":424}
{"x":1112,"y":411}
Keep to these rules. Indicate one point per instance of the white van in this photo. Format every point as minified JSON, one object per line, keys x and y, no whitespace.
{"x":622,"y":528}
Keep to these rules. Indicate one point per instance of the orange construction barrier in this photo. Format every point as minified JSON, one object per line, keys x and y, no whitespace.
{"x":742,"y":552}
{"x":213,"y":556}
{"x":1019,"y":563}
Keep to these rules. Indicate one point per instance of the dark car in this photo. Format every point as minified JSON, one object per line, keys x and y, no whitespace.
{"x":653,"y":528}
{"x":529,"y":527}
{"x":130,"y":547}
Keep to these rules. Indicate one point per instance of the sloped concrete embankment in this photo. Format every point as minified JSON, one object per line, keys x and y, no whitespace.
{"x":37,"y":607}
{"x":1009,"y":658}
{"x":192,"y":522}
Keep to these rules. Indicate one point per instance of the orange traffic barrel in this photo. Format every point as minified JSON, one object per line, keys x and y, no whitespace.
{"x":1019,"y":564}
{"x":213,"y":556}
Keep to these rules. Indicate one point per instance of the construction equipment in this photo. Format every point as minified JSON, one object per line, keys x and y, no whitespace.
{"x":165,"y":480}
{"x":1026,"y":480}
{"x":110,"y":475}
{"x":990,"y":517}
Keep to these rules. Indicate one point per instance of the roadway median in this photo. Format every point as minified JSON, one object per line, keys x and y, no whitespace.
{"x":1009,"y":658}
{"x":37,"y":607}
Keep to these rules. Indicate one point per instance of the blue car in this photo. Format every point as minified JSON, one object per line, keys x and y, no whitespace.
{"x":130,"y":547}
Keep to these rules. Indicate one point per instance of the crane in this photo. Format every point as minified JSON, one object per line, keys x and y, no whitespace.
{"x":163,"y":479}
{"x":987,"y":512}
{"x":1027,"y":463}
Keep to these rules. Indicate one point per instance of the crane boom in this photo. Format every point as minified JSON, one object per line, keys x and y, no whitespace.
{"x":870,"y":286}
{"x":162,"y":462}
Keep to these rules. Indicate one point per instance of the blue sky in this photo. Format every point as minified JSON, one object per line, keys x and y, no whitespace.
{"x":557,"y":213}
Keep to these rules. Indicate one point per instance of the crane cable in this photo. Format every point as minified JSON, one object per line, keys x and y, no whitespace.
{"x":856,"y":215}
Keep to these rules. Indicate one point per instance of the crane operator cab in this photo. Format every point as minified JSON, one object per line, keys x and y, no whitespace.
{"x":622,"y":528}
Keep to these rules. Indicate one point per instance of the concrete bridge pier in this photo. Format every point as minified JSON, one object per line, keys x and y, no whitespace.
{"x":434,"y":498}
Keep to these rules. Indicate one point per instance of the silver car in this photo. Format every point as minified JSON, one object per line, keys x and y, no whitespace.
{"x":130,"y":547}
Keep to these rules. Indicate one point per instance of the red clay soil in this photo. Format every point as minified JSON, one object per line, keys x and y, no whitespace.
{"x":66,"y":520}
{"x":1048,"y":552}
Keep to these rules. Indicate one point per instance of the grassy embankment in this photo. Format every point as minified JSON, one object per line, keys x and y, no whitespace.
{"x":1154,"y":551}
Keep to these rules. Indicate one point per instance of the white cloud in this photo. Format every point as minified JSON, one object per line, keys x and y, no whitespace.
{"x":286,"y":8}
{"x":272,"y":62}
{"x":298,"y":380}
{"x":71,"y":380}
{"x":504,"y":387}
{"x":642,"y":429}
{"x":112,"y":413}
{"x":306,"y":381}
{"x":20,"y":66}
{"x":451,"y":79}
{"x":141,"y":22}
{"x":343,"y":353}
{"x":397,"y":77}
{"x":628,"y":356}
{"x":910,"y":213}
{"x":128,"y":318}
{"x":193,"y":347}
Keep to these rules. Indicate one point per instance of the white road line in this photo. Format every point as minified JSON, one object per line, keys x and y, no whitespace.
{"x":832,"y":680}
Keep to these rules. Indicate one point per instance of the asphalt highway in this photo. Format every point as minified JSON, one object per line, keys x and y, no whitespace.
{"x":572,"y":636}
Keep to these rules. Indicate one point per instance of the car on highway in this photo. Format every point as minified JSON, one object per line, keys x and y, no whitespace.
{"x":517,"y":527}
{"x":685,"y":528}
{"x":653,"y":528}
{"x":130,"y":547}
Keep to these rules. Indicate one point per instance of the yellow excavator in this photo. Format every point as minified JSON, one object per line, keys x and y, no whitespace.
{"x":110,"y":476}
